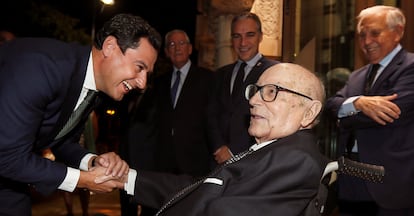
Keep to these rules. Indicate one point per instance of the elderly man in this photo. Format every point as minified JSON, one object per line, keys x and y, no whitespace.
{"x":279,"y":174}
{"x":375,"y":111}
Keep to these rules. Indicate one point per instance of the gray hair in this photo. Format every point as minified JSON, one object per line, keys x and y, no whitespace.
{"x":394,"y":16}
{"x":168,"y":35}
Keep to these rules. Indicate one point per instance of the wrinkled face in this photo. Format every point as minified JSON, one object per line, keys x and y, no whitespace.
{"x":376,"y":39}
{"x":245,"y":39}
{"x":120,"y":73}
{"x":178,"y":49}
{"x":281,"y":117}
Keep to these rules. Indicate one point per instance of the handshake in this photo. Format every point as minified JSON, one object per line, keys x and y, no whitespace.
{"x":106,"y":173}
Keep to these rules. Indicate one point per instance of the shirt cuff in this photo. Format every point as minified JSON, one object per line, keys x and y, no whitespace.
{"x":347,"y":108}
{"x":129,"y":186}
{"x":71,"y":180}
{"x":85,"y":161}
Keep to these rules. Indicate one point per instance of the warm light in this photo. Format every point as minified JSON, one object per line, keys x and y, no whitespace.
{"x":108,"y":2}
{"x":110,"y":112}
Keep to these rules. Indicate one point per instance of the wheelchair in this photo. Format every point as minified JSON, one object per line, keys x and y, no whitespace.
{"x":342,"y":166}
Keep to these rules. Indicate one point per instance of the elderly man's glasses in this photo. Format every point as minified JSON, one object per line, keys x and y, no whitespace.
{"x":174,"y":44}
{"x":268,"y":92}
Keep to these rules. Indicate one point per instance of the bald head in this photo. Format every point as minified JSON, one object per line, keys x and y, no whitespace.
{"x":287,"y":98}
{"x":296,"y":77}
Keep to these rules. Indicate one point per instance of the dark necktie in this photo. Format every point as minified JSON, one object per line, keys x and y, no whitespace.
{"x":174,"y":88}
{"x":75,"y":117}
{"x":371,"y":77}
{"x":194,"y":185}
{"x":368,"y":84}
{"x":238,"y":82}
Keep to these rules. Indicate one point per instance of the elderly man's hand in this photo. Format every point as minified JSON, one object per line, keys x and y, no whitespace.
{"x":379,"y":108}
{"x":93,"y":180}
{"x":114,"y":165}
{"x":222,"y":154}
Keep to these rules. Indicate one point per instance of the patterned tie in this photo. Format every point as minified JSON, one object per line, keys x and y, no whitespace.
{"x":75,"y":117}
{"x":238,"y":82}
{"x":194,"y":185}
{"x":174,"y":88}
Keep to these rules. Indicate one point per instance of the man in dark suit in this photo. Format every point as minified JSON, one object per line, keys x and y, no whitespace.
{"x":43,"y":82}
{"x":375,"y":110}
{"x":279,"y":174}
{"x":182,"y":140}
{"x":229,"y":112}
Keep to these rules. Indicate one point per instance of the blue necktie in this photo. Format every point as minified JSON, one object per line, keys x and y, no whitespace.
{"x":174,"y":88}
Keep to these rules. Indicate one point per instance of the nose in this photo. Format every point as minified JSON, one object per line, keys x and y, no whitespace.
{"x":254,"y":99}
{"x":141,"y":80}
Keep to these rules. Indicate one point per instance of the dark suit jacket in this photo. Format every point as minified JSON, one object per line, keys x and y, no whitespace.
{"x":230,"y":120}
{"x":278,"y":179}
{"x":41,"y":80}
{"x":390,"y":145}
{"x":188,"y":150}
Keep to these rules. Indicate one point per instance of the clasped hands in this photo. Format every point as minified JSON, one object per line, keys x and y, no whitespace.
{"x":106,"y":173}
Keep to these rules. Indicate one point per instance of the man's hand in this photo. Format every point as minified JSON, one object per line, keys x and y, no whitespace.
{"x":119,"y":182}
{"x":114,"y":165}
{"x":88,"y":179}
{"x":379,"y":108}
{"x":222,"y":154}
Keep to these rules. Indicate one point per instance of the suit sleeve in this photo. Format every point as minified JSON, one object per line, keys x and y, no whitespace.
{"x":25,"y":95}
{"x":400,"y":82}
{"x":213,"y":121}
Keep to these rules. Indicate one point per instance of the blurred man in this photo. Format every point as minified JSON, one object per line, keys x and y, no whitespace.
{"x":229,"y":111}
{"x":183,"y":96}
{"x":375,"y":110}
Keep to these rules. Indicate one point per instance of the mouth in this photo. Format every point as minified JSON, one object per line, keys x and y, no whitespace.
{"x":255,"y":116}
{"x":127,"y":86}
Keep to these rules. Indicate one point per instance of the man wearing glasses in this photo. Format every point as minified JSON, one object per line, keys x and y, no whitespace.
{"x":279,"y":174}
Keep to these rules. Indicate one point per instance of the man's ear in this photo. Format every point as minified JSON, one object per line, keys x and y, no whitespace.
{"x":311,"y":113}
{"x":109,"y":46}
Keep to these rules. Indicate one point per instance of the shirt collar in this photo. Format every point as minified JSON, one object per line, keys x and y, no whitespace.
{"x":253,"y":61}
{"x":385,"y":61}
{"x":89,"y":82}
{"x":184,"y":69}
{"x":258,"y":146}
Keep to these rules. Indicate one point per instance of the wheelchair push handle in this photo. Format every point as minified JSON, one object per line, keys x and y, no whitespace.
{"x":369,"y":172}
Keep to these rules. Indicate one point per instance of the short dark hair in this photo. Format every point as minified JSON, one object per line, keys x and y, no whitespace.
{"x":128,"y":30}
{"x":247,"y":15}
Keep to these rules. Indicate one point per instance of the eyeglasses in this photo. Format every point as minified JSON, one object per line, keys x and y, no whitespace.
{"x":268,"y":92}
{"x":173,"y":44}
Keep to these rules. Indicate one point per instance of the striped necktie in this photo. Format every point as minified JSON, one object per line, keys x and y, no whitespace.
{"x":75,"y":117}
{"x":194,"y":185}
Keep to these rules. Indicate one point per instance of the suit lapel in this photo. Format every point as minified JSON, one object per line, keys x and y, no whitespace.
{"x":392,"y":67}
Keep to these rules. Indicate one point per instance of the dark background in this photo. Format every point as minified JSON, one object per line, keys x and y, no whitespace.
{"x":18,"y":15}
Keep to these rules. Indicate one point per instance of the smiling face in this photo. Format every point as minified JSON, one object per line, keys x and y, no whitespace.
{"x":376,"y":39}
{"x":178,"y":49}
{"x":245,"y":38}
{"x":117,"y":73}
{"x":289,"y":112}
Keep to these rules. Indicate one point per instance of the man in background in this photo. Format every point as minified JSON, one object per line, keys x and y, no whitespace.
{"x":375,"y":110}
{"x":229,"y":111}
